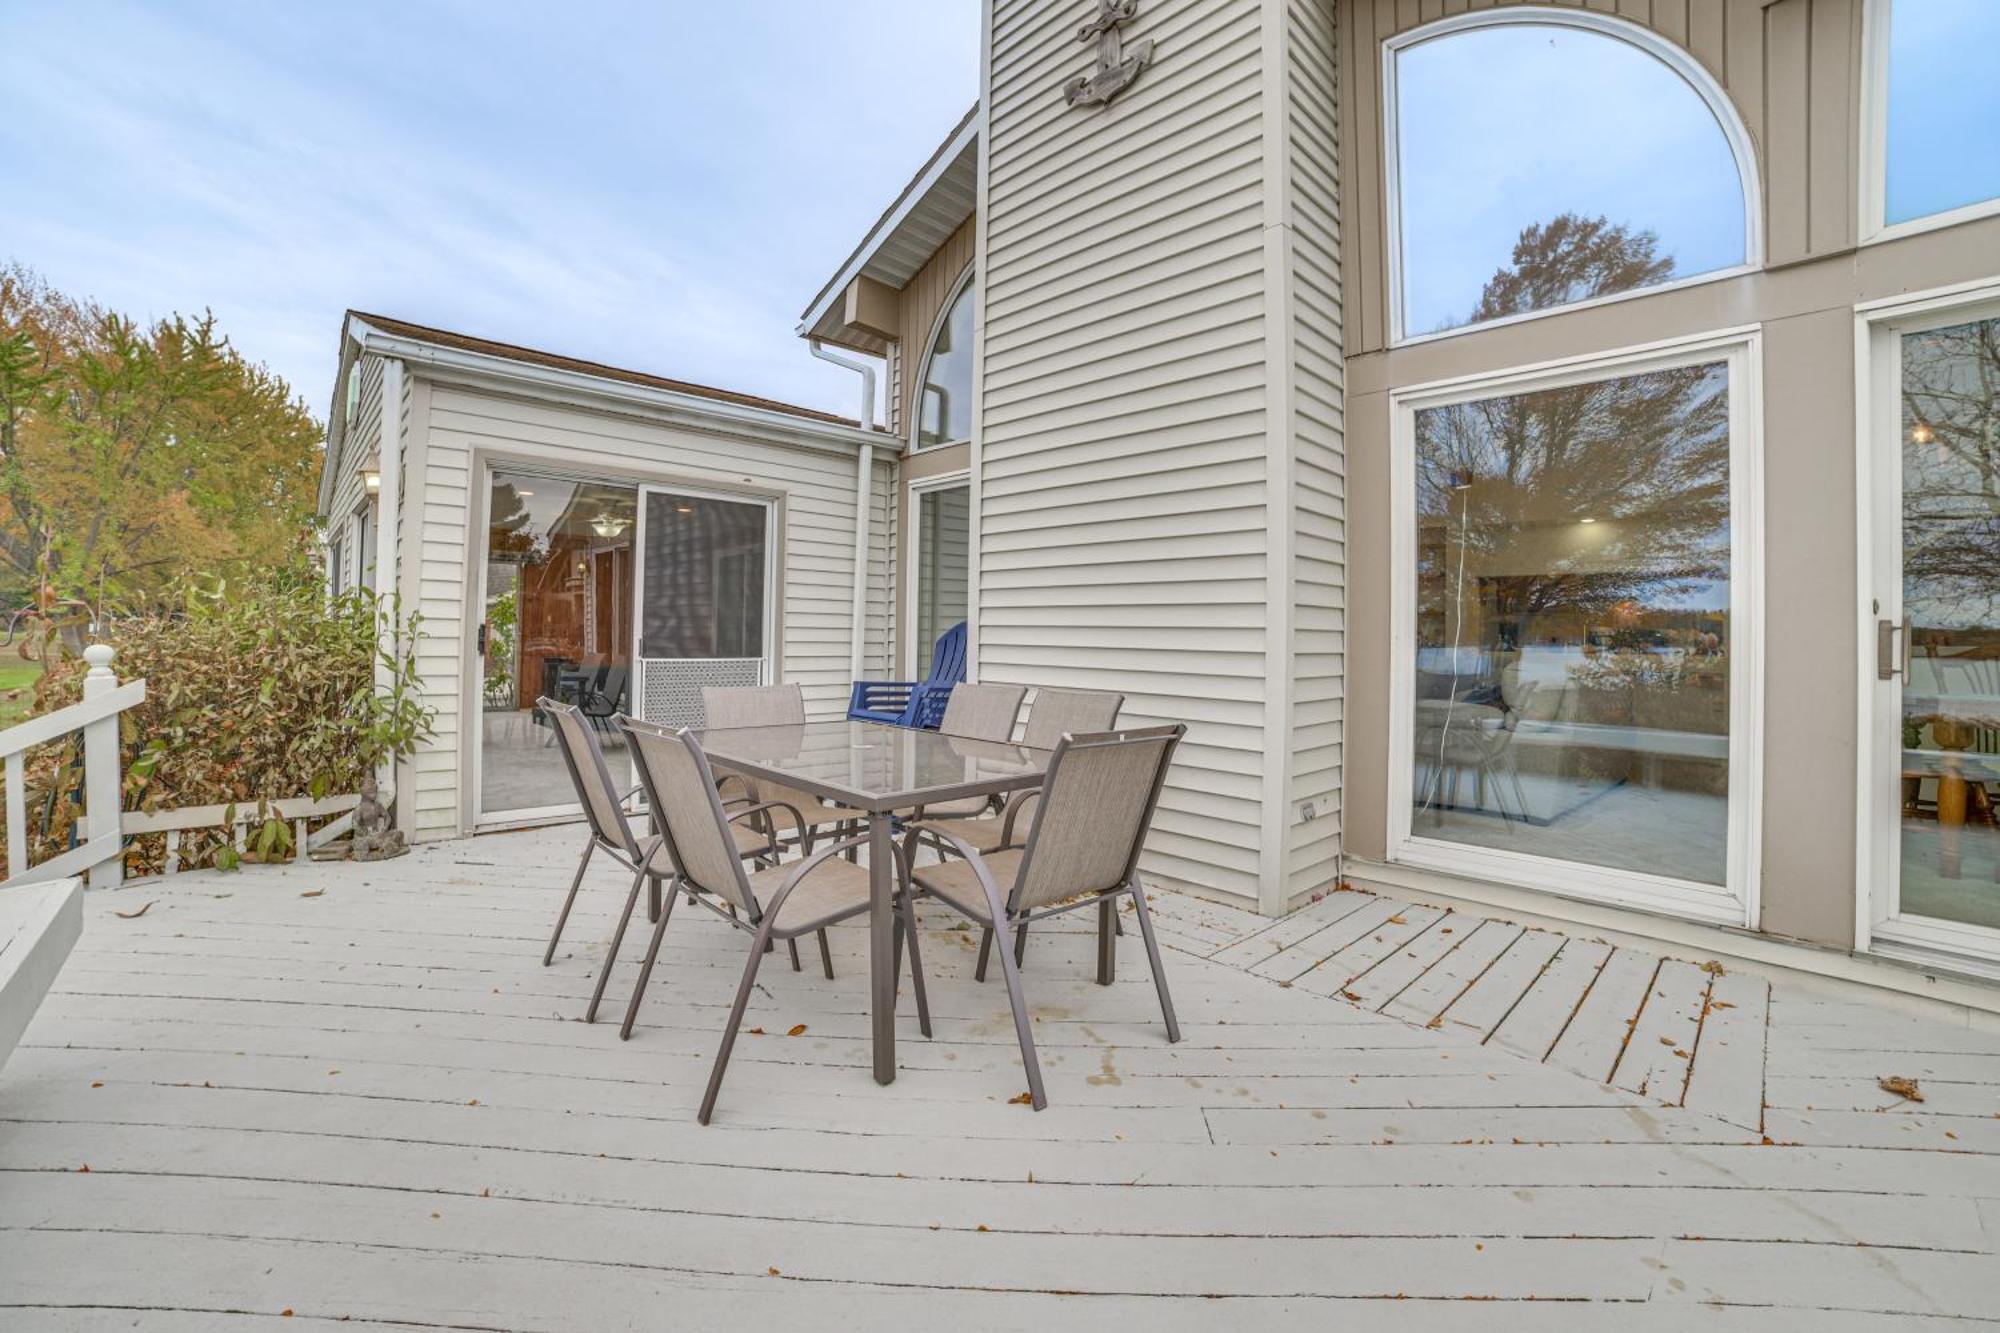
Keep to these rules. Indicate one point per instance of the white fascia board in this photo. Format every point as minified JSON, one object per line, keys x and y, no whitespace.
{"x":913,"y":198}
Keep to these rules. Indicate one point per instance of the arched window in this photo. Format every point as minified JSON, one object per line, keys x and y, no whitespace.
{"x":1541,"y":158}
{"x":944,"y":392}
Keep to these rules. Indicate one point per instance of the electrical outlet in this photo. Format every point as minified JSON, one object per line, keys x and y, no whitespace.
{"x":1307,"y":812}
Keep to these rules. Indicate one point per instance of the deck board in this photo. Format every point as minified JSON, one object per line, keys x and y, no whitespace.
{"x":375,"y":1105}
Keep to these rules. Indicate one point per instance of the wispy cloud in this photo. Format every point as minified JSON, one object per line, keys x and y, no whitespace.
{"x":661,"y":186}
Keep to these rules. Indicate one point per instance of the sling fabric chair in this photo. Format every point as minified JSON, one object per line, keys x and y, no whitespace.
{"x":913,"y":703}
{"x":1053,"y":715}
{"x":776,"y":706}
{"x":776,"y":903}
{"x":1089,"y":826}
{"x":611,"y":831}
{"x":979,"y":713}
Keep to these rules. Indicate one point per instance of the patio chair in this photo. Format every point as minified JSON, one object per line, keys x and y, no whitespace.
{"x":913,"y":703}
{"x":776,"y":903}
{"x":610,"y":831}
{"x":1089,"y":826}
{"x":778,"y":706}
{"x":979,"y":713}
{"x":604,"y":700}
{"x":1054,"y":714}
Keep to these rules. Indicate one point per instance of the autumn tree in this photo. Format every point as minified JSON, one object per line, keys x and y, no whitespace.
{"x":134,"y":456}
{"x":1572,"y":258}
{"x":1504,"y":482}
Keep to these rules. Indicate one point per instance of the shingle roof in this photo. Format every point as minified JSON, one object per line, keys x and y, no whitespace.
{"x":530,"y":356}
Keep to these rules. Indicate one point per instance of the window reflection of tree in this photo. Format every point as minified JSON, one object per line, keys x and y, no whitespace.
{"x":1951,"y":476}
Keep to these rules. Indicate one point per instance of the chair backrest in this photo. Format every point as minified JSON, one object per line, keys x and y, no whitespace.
{"x":982,"y":712}
{"x":948,"y":657}
{"x":1097,"y":805}
{"x":753,"y":705}
{"x":680,"y":789}
{"x":591,"y":775}
{"x":610,"y":691}
{"x":1057,"y":713}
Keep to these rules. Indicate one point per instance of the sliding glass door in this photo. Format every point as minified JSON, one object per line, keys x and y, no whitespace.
{"x":705,"y":599}
{"x":1934,"y":687}
{"x":556,"y":622}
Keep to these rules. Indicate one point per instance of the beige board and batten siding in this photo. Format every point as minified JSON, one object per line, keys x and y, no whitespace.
{"x":1138,"y":384}
{"x":465,"y":429}
{"x":1789,"y":66}
{"x":1793,"y":71}
{"x":922,"y":302}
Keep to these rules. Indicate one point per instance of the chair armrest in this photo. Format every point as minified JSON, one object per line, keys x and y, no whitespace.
{"x":1013,"y":812}
{"x":996,"y":901}
{"x":798,"y":820}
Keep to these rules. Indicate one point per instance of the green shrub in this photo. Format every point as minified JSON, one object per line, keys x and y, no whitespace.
{"x":254,"y":693}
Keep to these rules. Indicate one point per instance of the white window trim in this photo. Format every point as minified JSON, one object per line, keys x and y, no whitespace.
{"x":1679,"y":60}
{"x":944,"y":481}
{"x":1874,"y":224}
{"x":1736,"y":902}
{"x":1879,"y":926}
{"x":914,"y":426}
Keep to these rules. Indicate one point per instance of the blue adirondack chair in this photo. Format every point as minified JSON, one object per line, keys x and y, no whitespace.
{"x":914,"y":703}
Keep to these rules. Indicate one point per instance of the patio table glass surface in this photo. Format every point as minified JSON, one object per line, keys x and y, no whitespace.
{"x":880,"y":769}
{"x":872,"y":766}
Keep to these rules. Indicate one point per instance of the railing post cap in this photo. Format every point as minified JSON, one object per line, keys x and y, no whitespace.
{"x":99,"y":656}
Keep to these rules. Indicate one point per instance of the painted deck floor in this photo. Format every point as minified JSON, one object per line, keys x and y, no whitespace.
{"x":352,"y":1094}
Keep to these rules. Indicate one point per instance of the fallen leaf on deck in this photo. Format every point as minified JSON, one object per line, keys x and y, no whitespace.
{"x":756,"y":1032}
{"x":772,"y":1272}
{"x":1025,"y":1099}
{"x":982,"y":1226}
{"x":1399,"y":920}
{"x":798,"y":1030}
{"x":134,"y":916}
{"x":1713,"y":968}
{"x":1905,"y":1088}
{"x":97,"y":1085}
{"x":312,"y":893}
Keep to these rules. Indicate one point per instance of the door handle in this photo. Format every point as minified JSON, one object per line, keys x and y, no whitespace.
{"x":1889,"y":663}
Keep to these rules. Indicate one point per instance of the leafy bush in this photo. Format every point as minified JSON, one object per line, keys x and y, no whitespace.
{"x":254,"y":693}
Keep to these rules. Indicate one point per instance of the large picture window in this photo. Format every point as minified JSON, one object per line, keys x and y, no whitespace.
{"x":1572,"y":683}
{"x":1937,"y":66}
{"x":1539,"y":159}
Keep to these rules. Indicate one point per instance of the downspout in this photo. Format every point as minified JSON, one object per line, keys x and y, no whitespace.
{"x":864,"y":478}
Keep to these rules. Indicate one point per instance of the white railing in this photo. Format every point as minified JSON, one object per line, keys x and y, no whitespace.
{"x":241,"y":816}
{"x":100,"y":853}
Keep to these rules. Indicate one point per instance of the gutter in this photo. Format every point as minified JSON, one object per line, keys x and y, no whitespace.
{"x":864,"y":478}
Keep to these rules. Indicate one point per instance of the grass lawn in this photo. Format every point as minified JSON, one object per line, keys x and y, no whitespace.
{"x":17,"y":679}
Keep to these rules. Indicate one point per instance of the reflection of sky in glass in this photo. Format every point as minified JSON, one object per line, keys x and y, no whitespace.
{"x":1944,"y":106}
{"x":1504,"y":127}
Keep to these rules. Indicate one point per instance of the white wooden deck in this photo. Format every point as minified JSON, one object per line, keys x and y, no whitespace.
{"x":373,"y":1105}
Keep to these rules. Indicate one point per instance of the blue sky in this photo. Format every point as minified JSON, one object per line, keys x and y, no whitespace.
{"x":1944,"y":87}
{"x":1504,"y":127}
{"x":662,"y":186}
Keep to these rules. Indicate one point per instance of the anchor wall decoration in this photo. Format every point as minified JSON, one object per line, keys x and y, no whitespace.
{"x":1117,"y":66}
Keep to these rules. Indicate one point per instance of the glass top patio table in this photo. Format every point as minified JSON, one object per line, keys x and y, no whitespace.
{"x":873,"y":767}
{"x":878,"y":769}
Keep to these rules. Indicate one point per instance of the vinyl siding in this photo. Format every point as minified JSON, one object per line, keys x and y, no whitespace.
{"x":360,"y":437}
{"x":1125,"y":425}
{"x":1319,"y":465}
{"x":1791,"y":68}
{"x":816,"y":552}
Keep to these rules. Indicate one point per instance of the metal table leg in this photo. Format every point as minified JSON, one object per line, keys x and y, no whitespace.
{"x":882,"y":946}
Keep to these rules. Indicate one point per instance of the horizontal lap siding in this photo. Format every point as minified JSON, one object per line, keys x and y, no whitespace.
{"x":816,"y":582}
{"x":1123,"y":421}
{"x":1319,"y":536}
